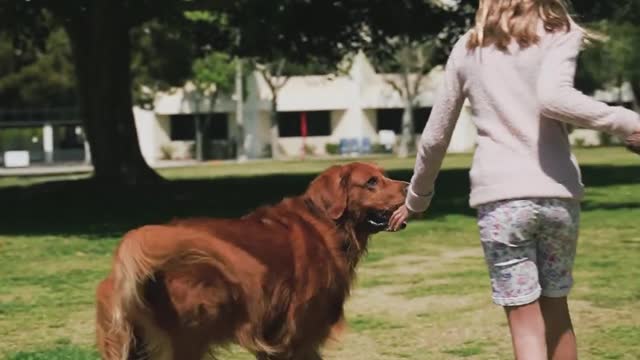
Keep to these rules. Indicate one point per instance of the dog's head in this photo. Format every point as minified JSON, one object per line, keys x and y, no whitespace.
{"x":358,"y":193}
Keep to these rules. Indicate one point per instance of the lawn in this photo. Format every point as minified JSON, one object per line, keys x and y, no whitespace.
{"x":421,"y":294}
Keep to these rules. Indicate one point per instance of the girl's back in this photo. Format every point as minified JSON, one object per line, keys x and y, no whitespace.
{"x":517,"y":69}
{"x":521,"y":152}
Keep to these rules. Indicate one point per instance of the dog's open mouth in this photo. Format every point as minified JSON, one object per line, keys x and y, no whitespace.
{"x":379,"y":220}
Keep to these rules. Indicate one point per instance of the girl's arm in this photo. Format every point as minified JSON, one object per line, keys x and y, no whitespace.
{"x":435,"y":139}
{"x":561,"y":101}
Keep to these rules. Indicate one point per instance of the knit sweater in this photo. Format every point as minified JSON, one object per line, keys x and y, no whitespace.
{"x":521,"y":100}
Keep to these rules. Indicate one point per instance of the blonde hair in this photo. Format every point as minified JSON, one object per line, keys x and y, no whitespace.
{"x":498,"y":22}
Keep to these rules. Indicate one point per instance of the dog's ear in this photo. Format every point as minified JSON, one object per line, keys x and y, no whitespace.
{"x":329,"y":191}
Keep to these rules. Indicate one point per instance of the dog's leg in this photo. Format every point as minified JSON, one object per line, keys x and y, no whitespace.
{"x":308,"y":354}
{"x":305,"y":354}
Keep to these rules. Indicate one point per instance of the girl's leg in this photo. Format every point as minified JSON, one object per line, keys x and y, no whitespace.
{"x":561,"y":340}
{"x":527,"y":331}
{"x":508,"y":232}
{"x":556,"y":253}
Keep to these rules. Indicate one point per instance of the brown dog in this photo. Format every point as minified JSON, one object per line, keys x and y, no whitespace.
{"x":274,"y":281}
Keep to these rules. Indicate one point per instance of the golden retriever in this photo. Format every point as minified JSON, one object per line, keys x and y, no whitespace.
{"x":274,"y":281}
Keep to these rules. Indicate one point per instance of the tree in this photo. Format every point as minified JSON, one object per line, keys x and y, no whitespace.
{"x":408,"y":39}
{"x":36,"y":77}
{"x":616,"y":59}
{"x":161,"y":59}
{"x":273,"y":74}
{"x":276,"y":74}
{"x":99,"y":34}
{"x":412,"y":61}
{"x":101,"y":46}
{"x":299,"y":41}
{"x":213,"y":74}
{"x":595,"y":10}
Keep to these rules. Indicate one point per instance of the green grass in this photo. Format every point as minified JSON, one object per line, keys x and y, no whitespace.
{"x":421,"y":294}
{"x":468,"y":349}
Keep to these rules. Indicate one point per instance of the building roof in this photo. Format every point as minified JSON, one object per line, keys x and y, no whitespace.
{"x":183,"y":101}
{"x":362,"y":84}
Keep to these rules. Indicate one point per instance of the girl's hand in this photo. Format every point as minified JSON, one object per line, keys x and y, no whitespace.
{"x":633,"y":142}
{"x":399,"y":217}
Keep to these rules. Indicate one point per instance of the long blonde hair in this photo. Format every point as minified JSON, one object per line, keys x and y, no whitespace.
{"x":498,"y":22}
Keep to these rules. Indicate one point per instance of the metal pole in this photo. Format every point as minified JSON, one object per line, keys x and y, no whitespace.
{"x":240,"y":136}
{"x":47,"y":142}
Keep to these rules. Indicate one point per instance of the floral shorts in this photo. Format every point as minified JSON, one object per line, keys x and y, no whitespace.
{"x":529,"y":247}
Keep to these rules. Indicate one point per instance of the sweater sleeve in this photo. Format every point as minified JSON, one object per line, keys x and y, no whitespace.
{"x":435,"y":139}
{"x":559,"y":99}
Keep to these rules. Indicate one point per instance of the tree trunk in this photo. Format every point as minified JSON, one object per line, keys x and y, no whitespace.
{"x":241,"y":153}
{"x":101,"y":53}
{"x":275,"y":133}
{"x":407,"y":134}
{"x":635,"y":88}
{"x":199,"y":137}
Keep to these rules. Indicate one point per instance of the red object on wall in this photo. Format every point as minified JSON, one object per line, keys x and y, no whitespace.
{"x":303,"y":124}
{"x":303,"y":131}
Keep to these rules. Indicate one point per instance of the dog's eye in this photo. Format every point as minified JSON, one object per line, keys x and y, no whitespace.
{"x":372,"y":182}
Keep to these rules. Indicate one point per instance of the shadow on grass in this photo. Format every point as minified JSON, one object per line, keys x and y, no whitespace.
{"x":84,"y":208}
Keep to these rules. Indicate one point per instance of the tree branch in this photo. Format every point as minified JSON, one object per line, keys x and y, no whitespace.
{"x":395,"y":86}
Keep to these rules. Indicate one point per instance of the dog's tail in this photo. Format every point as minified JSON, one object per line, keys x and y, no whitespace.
{"x":131,"y":267}
{"x":141,"y":255}
{"x":149,"y":250}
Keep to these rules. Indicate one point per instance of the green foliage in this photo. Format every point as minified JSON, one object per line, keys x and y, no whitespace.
{"x":214,"y":73}
{"x":616,"y":59}
{"x":161,"y":58}
{"x":31,"y":76}
{"x":204,"y":16}
{"x":332,"y":149}
{"x":20,"y":139}
{"x":409,"y":56}
{"x":596,"y":10}
{"x":380,"y":149}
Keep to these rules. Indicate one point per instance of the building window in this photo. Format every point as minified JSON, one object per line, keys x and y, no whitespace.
{"x":318,"y":123}
{"x":183,"y":127}
{"x":218,"y":126}
{"x":68,"y":137}
{"x":391,"y":119}
{"x":215,"y":125}
{"x":420,"y":118}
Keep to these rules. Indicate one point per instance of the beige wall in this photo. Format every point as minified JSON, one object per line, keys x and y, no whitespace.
{"x":292,"y":146}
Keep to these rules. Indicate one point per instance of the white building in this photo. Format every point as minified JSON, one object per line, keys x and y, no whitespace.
{"x":353,"y":107}
{"x":346,"y":108}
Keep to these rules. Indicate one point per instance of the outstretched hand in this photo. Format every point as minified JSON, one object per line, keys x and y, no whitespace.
{"x":633,"y":142}
{"x":399,"y":217}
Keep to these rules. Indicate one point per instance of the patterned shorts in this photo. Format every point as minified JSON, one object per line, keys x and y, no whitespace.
{"x":529,"y":247}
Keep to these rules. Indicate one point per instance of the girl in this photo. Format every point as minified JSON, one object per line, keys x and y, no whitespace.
{"x":516,"y":67}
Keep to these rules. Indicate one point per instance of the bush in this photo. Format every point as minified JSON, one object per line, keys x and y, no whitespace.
{"x":380,"y":149}
{"x":167,"y":151}
{"x":266,"y":151}
{"x":309,"y":149}
{"x":332,"y":149}
{"x":580,"y":142}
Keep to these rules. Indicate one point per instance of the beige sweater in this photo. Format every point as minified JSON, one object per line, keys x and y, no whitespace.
{"x":520,"y":102}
